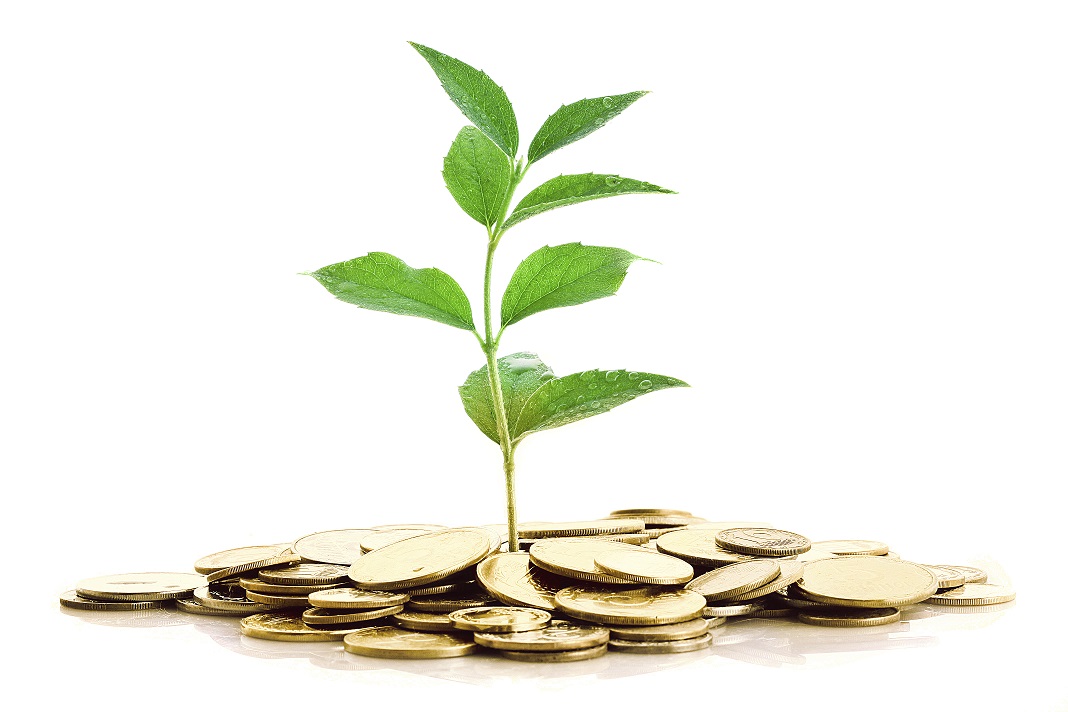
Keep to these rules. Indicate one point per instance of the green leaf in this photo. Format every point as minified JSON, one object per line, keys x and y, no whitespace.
{"x":478,"y":175}
{"x":582,"y":395}
{"x":521,"y":375}
{"x":578,"y":120}
{"x":568,"y":190}
{"x":382,"y":282}
{"x":563,"y":276}
{"x":477,"y":96}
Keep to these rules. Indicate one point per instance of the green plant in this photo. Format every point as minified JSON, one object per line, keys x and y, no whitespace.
{"x":513,"y":396}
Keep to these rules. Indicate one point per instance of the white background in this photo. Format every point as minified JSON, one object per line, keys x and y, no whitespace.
{"x":863,"y":279}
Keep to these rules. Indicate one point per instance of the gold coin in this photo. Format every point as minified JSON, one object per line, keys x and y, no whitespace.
{"x":693,"y":628}
{"x":235,"y":557}
{"x":261,"y":565}
{"x":390,"y":642}
{"x":659,"y":647}
{"x":661,"y":519}
{"x":191,"y":605}
{"x":460,"y":582}
{"x":337,"y":546}
{"x":424,"y":527}
{"x":211,"y":597}
{"x":261,"y":586}
{"x":152,"y":586}
{"x":557,"y":635}
{"x":546,"y":530}
{"x":866,"y":582}
{"x":384,"y":537}
{"x":974,"y":594}
{"x":427,"y":622}
{"x":448,"y":604}
{"x":971,"y":574}
{"x":278,"y":601}
{"x":850,"y":617}
{"x":775,"y":609}
{"x":789,"y":572}
{"x":422,"y":559}
{"x":500,"y":619}
{"x":300,"y":574}
{"x":557,"y":656}
{"x":729,"y":581}
{"x":639,"y":605}
{"x":760,"y":541}
{"x":635,"y":538}
{"x":574,"y":558}
{"x":853,"y":547}
{"x":698,"y":547}
{"x":325,"y":616}
{"x":730,"y":610}
{"x":644,"y":566}
{"x":654,"y":512}
{"x":356,"y":599}
{"x":289,"y":628}
{"x":71,"y":599}
{"x":791,"y":597}
{"x":511,"y":578}
{"x":947,"y":577}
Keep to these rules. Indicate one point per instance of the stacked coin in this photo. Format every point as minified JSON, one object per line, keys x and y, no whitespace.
{"x":637,"y":581}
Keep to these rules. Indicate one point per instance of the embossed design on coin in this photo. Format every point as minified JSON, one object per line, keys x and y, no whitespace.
{"x":422,"y":559}
{"x":390,"y":642}
{"x":759,"y":541}
{"x":644,"y":566}
{"x":728,"y":581}
{"x":866,"y":582}
{"x":500,"y":619}
{"x":558,"y":635}
{"x":337,"y":546}
{"x":235,"y":557}
{"x":645,"y":605}
{"x":148,"y":586}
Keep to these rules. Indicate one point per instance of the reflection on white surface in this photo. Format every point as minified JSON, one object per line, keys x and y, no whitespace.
{"x":763,"y":642}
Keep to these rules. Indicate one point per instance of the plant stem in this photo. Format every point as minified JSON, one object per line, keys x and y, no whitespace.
{"x":489,"y":346}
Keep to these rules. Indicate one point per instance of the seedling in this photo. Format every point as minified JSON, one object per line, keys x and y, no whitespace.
{"x":512,"y":396}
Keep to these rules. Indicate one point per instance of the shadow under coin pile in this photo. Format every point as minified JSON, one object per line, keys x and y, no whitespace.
{"x":649,"y":581}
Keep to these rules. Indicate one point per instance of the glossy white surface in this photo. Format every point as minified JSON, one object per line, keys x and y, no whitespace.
{"x":863,"y":279}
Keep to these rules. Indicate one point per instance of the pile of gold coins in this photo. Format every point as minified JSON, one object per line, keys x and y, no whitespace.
{"x":637,"y":581}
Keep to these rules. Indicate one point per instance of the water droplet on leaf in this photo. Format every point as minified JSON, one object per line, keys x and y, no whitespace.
{"x":608,"y":101}
{"x":612,"y":181}
{"x":645,"y":385}
{"x":598,"y":121}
